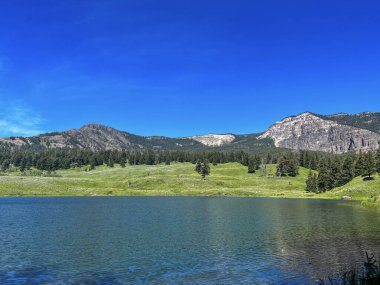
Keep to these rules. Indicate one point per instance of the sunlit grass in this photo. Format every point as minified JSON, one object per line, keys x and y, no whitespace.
{"x":178,"y":179}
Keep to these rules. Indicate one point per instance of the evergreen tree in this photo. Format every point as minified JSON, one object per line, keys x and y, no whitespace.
{"x":315,"y":183}
{"x":281,"y":166}
{"x":325,"y":179}
{"x":205,"y":170}
{"x":309,"y":187}
{"x":369,"y":165}
{"x":311,"y":182}
{"x":359,"y":165}
{"x":287,"y":166}
{"x":110,"y":162}
{"x":198,"y":166}
{"x":251,"y":166}
{"x":5,"y":165}
{"x":292,"y":167}
{"x":257,"y":162}
{"x":347,"y":170}
{"x":378,"y":161}
{"x":336,"y":171}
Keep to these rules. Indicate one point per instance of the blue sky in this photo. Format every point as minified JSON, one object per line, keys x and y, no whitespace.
{"x":180,"y":68}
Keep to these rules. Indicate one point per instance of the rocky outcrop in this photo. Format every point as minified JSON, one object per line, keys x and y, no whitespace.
{"x":310,"y":132}
{"x":214,"y":140}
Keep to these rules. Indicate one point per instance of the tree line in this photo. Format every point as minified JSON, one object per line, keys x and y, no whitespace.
{"x":63,"y":158}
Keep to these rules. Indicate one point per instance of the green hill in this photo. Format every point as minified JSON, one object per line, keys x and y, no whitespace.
{"x":178,"y":179}
{"x":357,"y":189}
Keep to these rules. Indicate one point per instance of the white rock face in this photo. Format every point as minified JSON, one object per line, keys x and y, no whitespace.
{"x":310,"y":132}
{"x":214,"y":140}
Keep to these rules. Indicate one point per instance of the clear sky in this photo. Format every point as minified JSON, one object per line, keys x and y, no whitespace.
{"x":178,"y":68}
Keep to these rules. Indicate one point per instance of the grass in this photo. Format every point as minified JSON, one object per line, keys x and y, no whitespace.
{"x":178,"y":179}
{"x":366,"y":191}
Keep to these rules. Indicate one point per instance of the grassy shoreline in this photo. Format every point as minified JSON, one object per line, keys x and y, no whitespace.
{"x":178,"y":179}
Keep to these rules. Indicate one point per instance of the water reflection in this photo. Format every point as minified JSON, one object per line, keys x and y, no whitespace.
{"x":180,"y":240}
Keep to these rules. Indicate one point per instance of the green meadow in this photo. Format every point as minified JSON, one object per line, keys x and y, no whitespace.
{"x":178,"y":179}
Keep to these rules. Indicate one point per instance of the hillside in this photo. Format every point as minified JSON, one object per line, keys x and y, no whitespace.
{"x":366,"y":191}
{"x":366,"y":120}
{"x":179,"y":179}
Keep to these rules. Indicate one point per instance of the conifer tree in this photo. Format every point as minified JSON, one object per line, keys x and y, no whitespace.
{"x":325,"y":179}
{"x":378,"y":161}
{"x":205,"y":169}
{"x":309,"y":182}
{"x":281,"y":166}
{"x":251,"y":166}
{"x":359,"y":165}
{"x":347,"y":170}
{"x":315,"y":183}
{"x":5,"y":165}
{"x":336,"y":172}
{"x":257,"y":162}
{"x":369,"y":165}
{"x":198,"y":166}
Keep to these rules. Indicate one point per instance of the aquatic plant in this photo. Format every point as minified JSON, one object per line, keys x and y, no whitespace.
{"x":369,"y":275}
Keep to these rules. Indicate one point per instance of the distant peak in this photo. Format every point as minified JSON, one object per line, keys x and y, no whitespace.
{"x":94,"y":126}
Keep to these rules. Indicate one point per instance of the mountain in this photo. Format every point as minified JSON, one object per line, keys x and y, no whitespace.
{"x":99,"y":137}
{"x":338,"y":133}
{"x":313,"y":132}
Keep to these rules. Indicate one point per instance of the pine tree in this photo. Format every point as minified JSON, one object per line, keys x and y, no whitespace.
{"x":292,"y":167}
{"x":369,"y":165}
{"x":359,"y":165}
{"x":251,"y":166}
{"x":205,"y":170}
{"x":257,"y":162}
{"x":325,"y":179}
{"x":287,"y":166}
{"x":336,"y":172}
{"x":198,"y":166}
{"x":110,"y":163}
{"x":378,"y":161}
{"x":309,"y":182}
{"x":281,"y":166}
{"x":347,"y":171}
{"x":315,"y":183}
{"x":5,"y":165}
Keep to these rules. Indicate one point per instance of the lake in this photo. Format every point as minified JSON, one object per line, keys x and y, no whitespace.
{"x":181,"y":240}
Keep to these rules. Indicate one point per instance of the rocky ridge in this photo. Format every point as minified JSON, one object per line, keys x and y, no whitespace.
{"x":213,"y":139}
{"x":308,"y":131}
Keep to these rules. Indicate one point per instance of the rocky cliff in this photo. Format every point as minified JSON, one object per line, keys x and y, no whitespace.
{"x":310,"y":132}
{"x":214,"y":140}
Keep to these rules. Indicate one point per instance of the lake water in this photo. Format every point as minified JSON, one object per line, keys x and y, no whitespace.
{"x":180,"y":240}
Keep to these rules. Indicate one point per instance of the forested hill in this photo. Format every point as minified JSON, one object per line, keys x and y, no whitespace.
{"x":339,"y":133}
{"x":366,"y":120}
